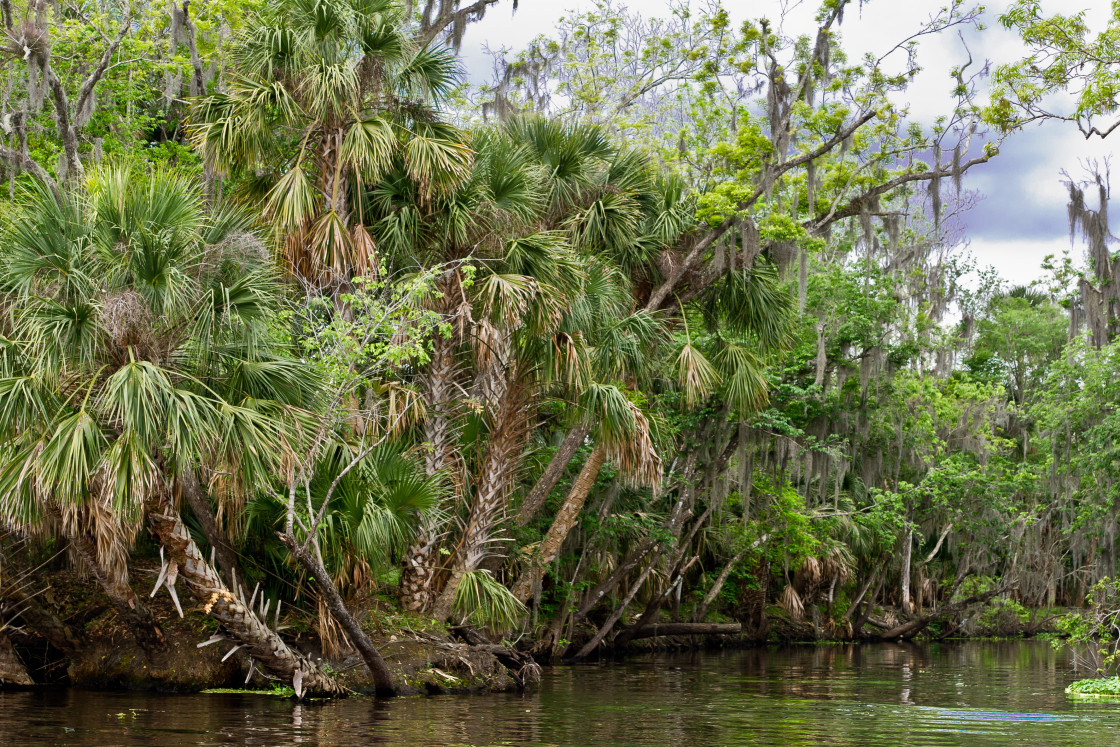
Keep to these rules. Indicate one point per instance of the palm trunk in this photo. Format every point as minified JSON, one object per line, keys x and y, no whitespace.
{"x":491,"y":495}
{"x":238,"y":620}
{"x":907,"y":548}
{"x":137,"y":615}
{"x":422,"y":557}
{"x":552,"y":474}
{"x":382,"y":679}
{"x":200,"y":506}
{"x":565,"y":520}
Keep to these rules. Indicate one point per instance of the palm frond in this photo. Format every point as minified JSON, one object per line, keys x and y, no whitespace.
{"x":482,"y":600}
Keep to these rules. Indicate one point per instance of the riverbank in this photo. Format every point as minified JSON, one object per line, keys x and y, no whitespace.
{"x":81,"y":641}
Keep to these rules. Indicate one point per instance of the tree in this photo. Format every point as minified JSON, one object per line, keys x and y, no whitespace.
{"x":33,"y":45}
{"x":329,"y":97}
{"x":1065,"y":54}
{"x":140,"y":350}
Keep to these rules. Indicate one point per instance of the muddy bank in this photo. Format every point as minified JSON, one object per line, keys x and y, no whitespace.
{"x":79,"y":640}
{"x":70,"y":635}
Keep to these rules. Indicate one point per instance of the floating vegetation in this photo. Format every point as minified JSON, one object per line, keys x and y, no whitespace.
{"x":1097,"y":687}
{"x":276,"y":691}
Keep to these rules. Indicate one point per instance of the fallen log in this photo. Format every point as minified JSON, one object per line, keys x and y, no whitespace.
{"x":911,"y":628}
{"x":662,"y":629}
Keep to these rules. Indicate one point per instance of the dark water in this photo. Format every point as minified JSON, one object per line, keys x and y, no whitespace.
{"x":973,"y":693}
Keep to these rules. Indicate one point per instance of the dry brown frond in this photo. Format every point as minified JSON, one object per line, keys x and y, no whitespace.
{"x":637,"y":457}
{"x":112,"y":537}
{"x":790,"y":601}
{"x":809,"y":574}
{"x":364,"y":251}
{"x":127,"y":320}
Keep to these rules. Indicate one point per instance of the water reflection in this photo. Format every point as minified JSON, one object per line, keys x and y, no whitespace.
{"x":938,"y":694}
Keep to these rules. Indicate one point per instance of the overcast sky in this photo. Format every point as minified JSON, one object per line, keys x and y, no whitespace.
{"x":1020,"y":216}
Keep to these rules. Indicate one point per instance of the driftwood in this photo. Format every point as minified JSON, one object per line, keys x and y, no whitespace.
{"x":660,"y":629}
{"x":911,"y":628}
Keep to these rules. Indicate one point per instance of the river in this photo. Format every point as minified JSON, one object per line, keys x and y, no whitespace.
{"x":970,"y":693}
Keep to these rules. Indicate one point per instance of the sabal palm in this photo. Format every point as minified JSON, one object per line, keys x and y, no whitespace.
{"x":139,"y":350}
{"x":544,"y":305}
{"x":501,"y":200}
{"x":327,"y":98}
{"x":521,"y":302}
{"x":139,"y":328}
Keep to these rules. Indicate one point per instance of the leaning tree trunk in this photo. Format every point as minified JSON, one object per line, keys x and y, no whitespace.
{"x":12,"y":670}
{"x":382,"y":679}
{"x":552,"y":473}
{"x":702,"y":610}
{"x":136,"y":615}
{"x":262,"y":643}
{"x":35,"y":619}
{"x":423,"y":556}
{"x":608,"y":626}
{"x":909,"y":629}
{"x":199,"y":502}
{"x":565,"y":520}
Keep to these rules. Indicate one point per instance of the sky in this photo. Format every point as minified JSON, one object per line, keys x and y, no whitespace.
{"x":1020,"y":215}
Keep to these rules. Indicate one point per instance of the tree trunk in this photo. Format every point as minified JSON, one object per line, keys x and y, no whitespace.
{"x":237,"y":619}
{"x":907,"y":549}
{"x":636,"y":556}
{"x":911,"y":628}
{"x":552,"y":473}
{"x":12,"y":670}
{"x":34,"y":618}
{"x":863,"y":589}
{"x":676,"y":571}
{"x":382,"y":679}
{"x":565,"y":520}
{"x":606,"y":627}
{"x":489,"y":505}
{"x":861,"y":618}
{"x":199,"y":502}
{"x":423,"y":557}
{"x":136,"y":615}
{"x":709,"y":598}
{"x":653,"y":609}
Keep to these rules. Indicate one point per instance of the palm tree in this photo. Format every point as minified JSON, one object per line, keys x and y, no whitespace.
{"x":501,"y":199}
{"x":140,"y":352}
{"x":328,"y":97}
{"x":521,"y":304}
{"x":535,"y":190}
